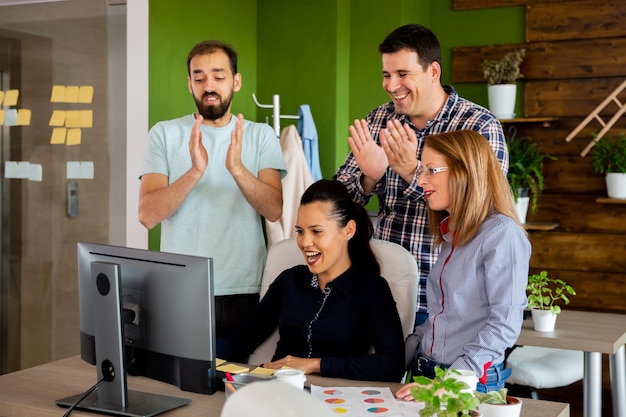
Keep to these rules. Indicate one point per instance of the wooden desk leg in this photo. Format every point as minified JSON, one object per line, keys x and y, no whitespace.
{"x":617,"y":368}
{"x":592,"y":385}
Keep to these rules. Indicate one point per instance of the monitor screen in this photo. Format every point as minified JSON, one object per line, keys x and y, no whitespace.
{"x":155,"y":308}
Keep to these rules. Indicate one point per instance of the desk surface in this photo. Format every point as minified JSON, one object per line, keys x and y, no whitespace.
{"x":579,"y":330}
{"x":33,"y":392}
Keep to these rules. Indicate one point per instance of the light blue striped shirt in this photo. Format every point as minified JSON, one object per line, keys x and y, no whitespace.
{"x":476,"y":296}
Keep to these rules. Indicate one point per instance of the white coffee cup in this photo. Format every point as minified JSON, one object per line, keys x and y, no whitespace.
{"x":291,"y":376}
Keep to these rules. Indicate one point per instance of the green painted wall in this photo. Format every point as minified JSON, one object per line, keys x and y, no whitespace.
{"x":318,"y":52}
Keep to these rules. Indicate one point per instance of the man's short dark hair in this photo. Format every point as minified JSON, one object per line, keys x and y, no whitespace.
{"x":210,"y":46}
{"x":416,"y":38}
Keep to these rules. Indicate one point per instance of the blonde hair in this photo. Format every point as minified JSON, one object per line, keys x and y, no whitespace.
{"x":478,"y":187}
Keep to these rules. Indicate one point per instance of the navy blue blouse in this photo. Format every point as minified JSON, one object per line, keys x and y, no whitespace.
{"x":358,"y":313}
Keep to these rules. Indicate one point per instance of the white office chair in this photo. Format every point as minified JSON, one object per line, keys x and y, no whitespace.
{"x":397,"y":265}
{"x":536,"y":368}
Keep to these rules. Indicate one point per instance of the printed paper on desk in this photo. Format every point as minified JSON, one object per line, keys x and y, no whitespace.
{"x":364,"y":401}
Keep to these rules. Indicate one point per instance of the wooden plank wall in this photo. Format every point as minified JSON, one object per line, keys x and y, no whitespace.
{"x":576,"y":56}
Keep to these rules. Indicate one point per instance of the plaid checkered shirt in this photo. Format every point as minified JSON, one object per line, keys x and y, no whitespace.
{"x":402,"y":216}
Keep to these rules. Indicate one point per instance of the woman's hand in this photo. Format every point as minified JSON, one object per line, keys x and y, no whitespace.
{"x":309,"y":366}
{"x":404,"y":393}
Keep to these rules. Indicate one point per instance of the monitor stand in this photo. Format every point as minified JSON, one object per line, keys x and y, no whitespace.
{"x":140,"y":404}
{"x":113,"y":396}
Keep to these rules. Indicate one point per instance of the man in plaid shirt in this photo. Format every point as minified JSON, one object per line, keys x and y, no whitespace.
{"x":386,"y":146}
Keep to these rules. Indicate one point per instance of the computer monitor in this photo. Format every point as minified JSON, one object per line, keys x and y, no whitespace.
{"x":144,"y":313}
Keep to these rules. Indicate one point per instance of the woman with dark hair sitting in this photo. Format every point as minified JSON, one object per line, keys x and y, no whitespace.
{"x":332,"y":310}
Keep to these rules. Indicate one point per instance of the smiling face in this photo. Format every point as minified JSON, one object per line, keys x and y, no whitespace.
{"x":415,"y":91}
{"x":436,"y":187}
{"x":212,"y":84}
{"x":323,"y":243}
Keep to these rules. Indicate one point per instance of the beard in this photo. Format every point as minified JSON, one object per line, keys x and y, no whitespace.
{"x":213,"y":111}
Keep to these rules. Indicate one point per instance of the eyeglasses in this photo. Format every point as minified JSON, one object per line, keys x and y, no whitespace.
{"x":429,"y":172}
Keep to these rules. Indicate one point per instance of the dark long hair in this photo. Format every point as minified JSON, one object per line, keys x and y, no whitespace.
{"x":342,"y":210}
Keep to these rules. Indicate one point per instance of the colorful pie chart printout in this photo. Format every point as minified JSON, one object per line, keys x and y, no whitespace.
{"x":364,"y":401}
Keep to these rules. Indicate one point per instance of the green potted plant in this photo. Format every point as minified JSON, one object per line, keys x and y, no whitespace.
{"x":444,"y":395}
{"x":525,"y":173}
{"x":501,"y":76}
{"x":543,"y":293}
{"x":498,"y":404}
{"x":608,"y":157}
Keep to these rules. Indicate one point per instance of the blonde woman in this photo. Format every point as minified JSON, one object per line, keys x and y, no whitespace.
{"x":476,"y":291}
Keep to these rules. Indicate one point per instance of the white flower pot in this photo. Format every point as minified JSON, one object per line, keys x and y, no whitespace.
{"x":521,"y":207}
{"x":616,"y":184}
{"x":543,"y":320}
{"x":513,"y":409}
{"x":502,"y":100}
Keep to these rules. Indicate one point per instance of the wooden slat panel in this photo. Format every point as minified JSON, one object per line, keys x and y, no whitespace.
{"x":598,"y":252}
{"x":594,"y":291}
{"x":586,"y":58}
{"x":570,"y":98}
{"x":575,"y":20}
{"x":572,"y":174}
{"x":579,"y":213}
{"x":483,"y":4}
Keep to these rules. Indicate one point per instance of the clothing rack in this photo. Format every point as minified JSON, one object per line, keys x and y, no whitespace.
{"x":275,"y":112}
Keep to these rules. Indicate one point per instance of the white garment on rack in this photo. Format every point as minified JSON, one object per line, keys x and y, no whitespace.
{"x":296,"y":181}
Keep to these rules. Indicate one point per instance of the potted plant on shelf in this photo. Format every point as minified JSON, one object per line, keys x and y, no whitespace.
{"x":444,"y":395}
{"x":543,"y":293}
{"x":498,"y":404}
{"x":525,"y":173}
{"x":608,"y":157}
{"x":501,"y":76}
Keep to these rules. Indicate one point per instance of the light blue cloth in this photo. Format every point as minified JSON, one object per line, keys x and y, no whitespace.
{"x":308,"y":134}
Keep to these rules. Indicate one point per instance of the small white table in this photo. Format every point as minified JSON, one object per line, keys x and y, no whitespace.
{"x":594,"y":334}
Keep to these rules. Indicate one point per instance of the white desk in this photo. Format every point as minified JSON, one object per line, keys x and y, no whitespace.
{"x":594,"y":334}
{"x":33,"y":392}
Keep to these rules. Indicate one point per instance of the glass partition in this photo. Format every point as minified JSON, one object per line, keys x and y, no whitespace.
{"x":63,"y":155}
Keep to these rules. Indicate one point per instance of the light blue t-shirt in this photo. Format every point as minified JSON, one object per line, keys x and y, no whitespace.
{"x":215,"y":220}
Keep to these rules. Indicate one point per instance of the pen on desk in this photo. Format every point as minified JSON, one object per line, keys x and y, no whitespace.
{"x":230,"y":378}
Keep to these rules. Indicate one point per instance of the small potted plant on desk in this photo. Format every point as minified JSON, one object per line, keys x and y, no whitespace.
{"x":543,"y":293}
{"x":525,"y":174}
{"x":501,"y":76}
{"x":444,"y":395}
{"x":608,"y":157}
{"x":498,"y":404}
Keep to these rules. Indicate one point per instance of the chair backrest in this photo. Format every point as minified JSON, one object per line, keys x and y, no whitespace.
{"x":397,"y":265}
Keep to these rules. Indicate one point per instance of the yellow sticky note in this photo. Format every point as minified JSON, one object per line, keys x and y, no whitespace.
{"x":73,"y":137}
{"x":58,"y":94}
{"x":219,"y":361}
{"x":262,"y":371}
{"x":71,"y":94}
{"x":10,"y":99}
{"x":23,"y":117}
{"x":58,"y":136}
{"x":85,"y":94}
{"x":72,"y":118}
{"x":2,"y":113}
{"x":85,"y":118}
{"x":57,"y":118}
{"x":1,"y":97}
{"x":232,"y":368}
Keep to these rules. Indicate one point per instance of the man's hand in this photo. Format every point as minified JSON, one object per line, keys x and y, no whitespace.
{"x":233,"y":155}
{"x":197,"y":151}
{"x":369,"y":156}
{"x":400,"y":146}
